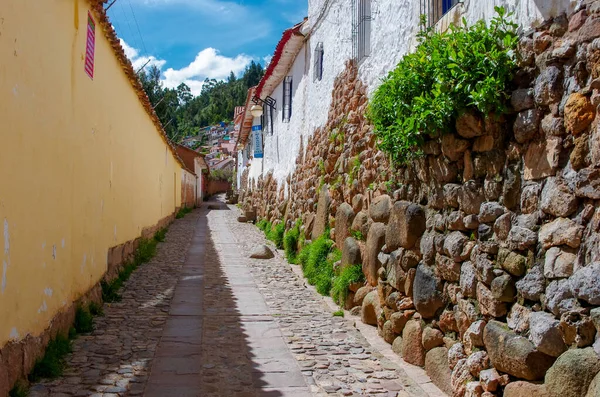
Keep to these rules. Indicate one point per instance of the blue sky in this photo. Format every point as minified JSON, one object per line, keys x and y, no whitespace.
{"x":190,"y":40}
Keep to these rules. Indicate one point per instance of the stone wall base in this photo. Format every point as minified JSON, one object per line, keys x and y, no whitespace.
{"x":17,"y":359}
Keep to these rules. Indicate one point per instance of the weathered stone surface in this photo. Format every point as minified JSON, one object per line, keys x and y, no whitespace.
{"x":490,"y":379}
{"x":525,"y":389}
{"x":350,"y":253}
{"x":490,"y":211}
{"x":468,"y":280}
{"x":512,"y":262}
{"x":469,"y":125}
{"x":513,"y":354}
{"x":431,"y":338}
{"x":371,"y":308}
{"x":407,"y":224}
{"x":530,"y":198}
{"x":579,"y":113}
{"x":518,"y":318}
{"x":488,"y":305}
{"x":375,"y":241}
{"x":454,"y":245}
{"x":399,"y":320}
{"x":521,"y":238}
{"x":572,"y":373}
{"x":261,"y":252}
{"x":548,"y":86}
{"x":527,"y":125}
{"x":585,"y":284}
{"x":360,"y":295}
{"x":545,"y":334}
{"x":511,"y":190}
{"x":588,"y":183}
{"x":561,"y":231}
{"x":456,"y":353}
{"x":558,"y":297}
{"x":380,"y":208}
{"x":473,"y":337}
{"x":451,"y":194}
{"x":388,"y":333}
{"x":594,"y":389}
{"x":456,"y":220}
{"x":438,"y":370}
{"x":522,"y":99}
{"x":361,"y":223}
{"x":483,"y":143}
{"x":426,"y":294}
{"x":503,"y":289}
{"x":471,"y":197}
{"x":461,"y":376}
{"x":322,"y":216}
{"x":471,"y":222}
{"x":502,"y":226}
{"x":447,"y":268}
{"x":559,"y":262}
{"x":454,"y":147}
{"x":577,"y":329}
{"x":553,"y":126}
{"x":557,"y":198}
{"x":343,"y":223}
{"x":477,"y":362}
{"x":412,"y":348}
{"x":542,"y":159}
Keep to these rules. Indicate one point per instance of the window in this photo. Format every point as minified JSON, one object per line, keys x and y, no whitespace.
{"x":436,"y":9}
{"x":361,"y":33}
{"x":287,"y":99}
{"x":318,"y":62}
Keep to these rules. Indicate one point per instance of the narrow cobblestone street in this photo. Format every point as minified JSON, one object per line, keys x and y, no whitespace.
{"x":201,"y":319}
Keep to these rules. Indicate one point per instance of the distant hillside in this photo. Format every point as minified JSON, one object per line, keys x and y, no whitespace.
{"x":183,"y":115}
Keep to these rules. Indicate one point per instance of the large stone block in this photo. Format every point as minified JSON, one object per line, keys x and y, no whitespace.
{"x":322,"y":216}
{"x":412,"y":347}
{"x":375,"y":241}
{"x":572,"y":373}
{"x":380,"y":208}
{"x":343,"y":223}
{"x":427,"y":297}
{"x":371,"y":308}
{"x":542,"y":159}
{"x":513,"y":354}
{"x":350,"y":253}
{"x":406,"y":225}
{"x":561,"y":231}
{"x":438,"y":369}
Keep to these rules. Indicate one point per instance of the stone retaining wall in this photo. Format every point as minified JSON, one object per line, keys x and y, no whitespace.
{"x":482,"y":257}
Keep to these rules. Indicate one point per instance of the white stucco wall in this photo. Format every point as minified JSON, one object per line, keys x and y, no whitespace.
{"x":394,"y":28}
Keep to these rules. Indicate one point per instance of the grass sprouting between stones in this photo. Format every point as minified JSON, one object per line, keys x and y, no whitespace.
{"x":339,"y":313}
{"x":183,"y":211}
{"x":290,"y":243}
{"x":52,"y":364}
{"x":19,"y":390}
{"x":341,"y":283}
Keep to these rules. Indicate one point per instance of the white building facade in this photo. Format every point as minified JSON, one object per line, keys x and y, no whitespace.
{"x":377,"y":34}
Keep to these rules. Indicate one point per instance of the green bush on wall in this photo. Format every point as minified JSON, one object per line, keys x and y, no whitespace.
{"x":464,"y":68}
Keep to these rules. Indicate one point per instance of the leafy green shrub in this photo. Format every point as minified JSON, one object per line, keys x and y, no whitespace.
{"x":451,"y":72}
{"x":317,"y":261}
{"x":290,"y":243}
{"x":52,"y":364}
{"x":351,"y":274}
{"x":262,"y":224}
{"x":276,"y":234}
{"x":84,"y":321}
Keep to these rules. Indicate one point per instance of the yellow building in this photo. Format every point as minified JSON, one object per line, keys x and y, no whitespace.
{"x":84,"y":163}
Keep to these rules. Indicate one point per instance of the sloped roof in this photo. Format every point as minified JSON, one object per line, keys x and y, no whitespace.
{"x":286,"y":51}
{"x":97,"y":7}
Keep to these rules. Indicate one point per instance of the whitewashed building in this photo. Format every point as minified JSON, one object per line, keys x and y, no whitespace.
{"x":377,"y":34}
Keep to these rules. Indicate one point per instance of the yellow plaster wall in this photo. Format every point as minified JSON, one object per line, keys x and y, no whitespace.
{"x":82,"y":166}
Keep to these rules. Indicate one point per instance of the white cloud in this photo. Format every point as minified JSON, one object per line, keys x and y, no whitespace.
{"x":208,"y":64}
{"x":139,"y":61}
{"x":267,"y":60}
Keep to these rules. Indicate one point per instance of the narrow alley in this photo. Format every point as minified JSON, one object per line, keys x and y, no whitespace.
{"x":202,"y":319}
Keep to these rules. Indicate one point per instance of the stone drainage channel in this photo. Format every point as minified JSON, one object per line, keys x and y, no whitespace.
{"x":202,"y":319}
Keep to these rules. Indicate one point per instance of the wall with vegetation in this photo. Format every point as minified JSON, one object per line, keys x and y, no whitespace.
{"x":471,"y":231}
{"x":82,"y":165}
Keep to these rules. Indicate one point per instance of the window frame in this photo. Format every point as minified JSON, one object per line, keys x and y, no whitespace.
{"x":288,"y":86}
{"x":362,"y":15}
{"x":318,"y":63}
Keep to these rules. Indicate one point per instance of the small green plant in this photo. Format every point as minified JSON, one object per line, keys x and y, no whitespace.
{"x":145,"y":252}
{"x":339,"y":313}
{"x":19,"y":390}
{"x":276,"y":234}
{"x":321,"y":165}
{"x":290,"y":243}
{"x":341,"y":283}
{"x":53,"y":363}
{"x":183,"y":211}
{"x":357,"y":234}
{"x":84,"y":321}
{"x":262,"y":224}
{"x":354,"y":170}
{"x":160,"y":235}
{"x":466,"y":68}
{"x":96,"y":309}
{"x":317,"y":261}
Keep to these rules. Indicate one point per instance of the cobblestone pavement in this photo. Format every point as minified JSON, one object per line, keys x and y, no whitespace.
{"x":115,"y":357}
{"x":202,"y":319}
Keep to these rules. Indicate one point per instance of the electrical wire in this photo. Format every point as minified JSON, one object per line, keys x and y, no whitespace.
{"x":138,"y":27}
